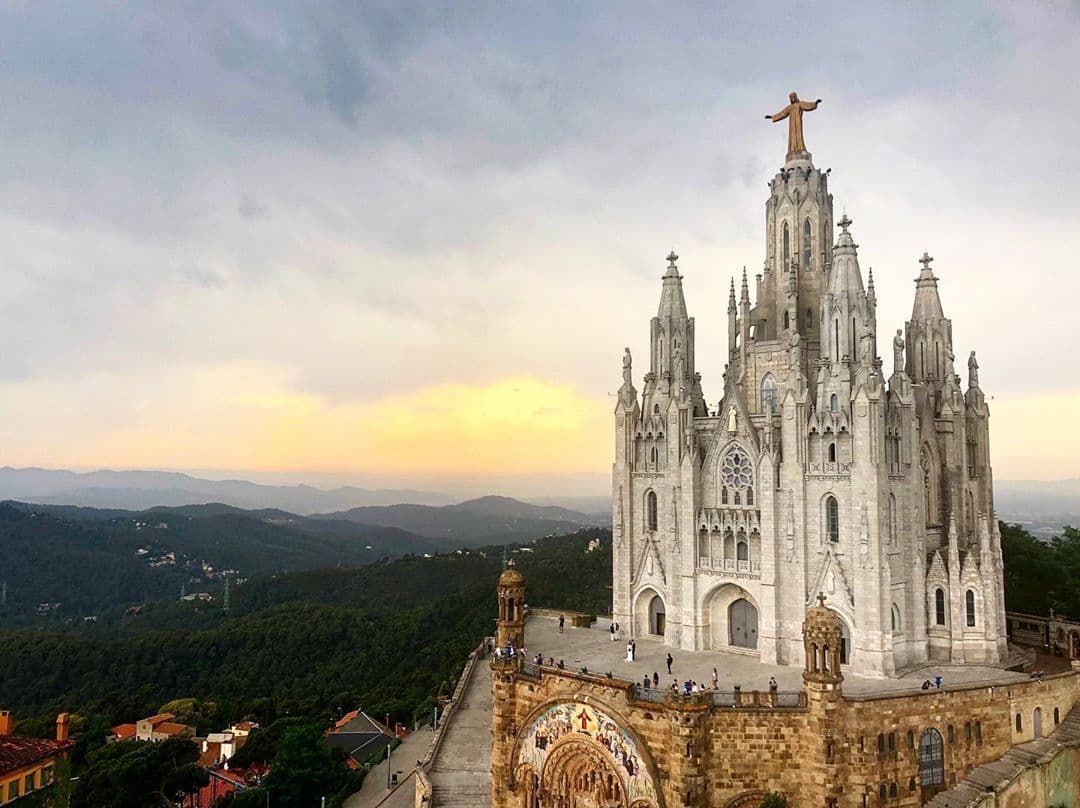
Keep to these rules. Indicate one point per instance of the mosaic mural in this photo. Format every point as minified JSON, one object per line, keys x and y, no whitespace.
{"x":585,"y":721}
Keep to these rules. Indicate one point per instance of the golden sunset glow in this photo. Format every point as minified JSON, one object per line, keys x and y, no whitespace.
{"x":245,"y":417}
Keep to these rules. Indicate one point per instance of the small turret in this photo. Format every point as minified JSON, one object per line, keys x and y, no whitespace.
{"x":822,"y":635}
{"x":510,"y":629}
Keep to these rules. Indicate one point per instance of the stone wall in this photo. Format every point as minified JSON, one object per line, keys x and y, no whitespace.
{"x":831,"y":751}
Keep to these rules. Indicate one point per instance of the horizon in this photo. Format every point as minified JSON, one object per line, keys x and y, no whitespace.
{"x":410,"y":243}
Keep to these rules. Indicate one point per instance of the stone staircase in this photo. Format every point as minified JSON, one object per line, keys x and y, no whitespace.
{"x":990,"y":777}
{"x":461,"y":771}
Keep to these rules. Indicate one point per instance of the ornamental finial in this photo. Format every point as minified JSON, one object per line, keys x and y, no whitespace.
{"x":926,"y":259}
{"x":671,"y":259}
{"x":844,"y":223}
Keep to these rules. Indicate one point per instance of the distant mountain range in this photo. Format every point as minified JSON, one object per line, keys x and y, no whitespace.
{"x":67,"y":561}
{"x":136,"y":490}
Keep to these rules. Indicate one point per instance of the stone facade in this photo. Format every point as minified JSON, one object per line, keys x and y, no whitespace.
{"x":563,"y":739}
{"x":815,"y":472}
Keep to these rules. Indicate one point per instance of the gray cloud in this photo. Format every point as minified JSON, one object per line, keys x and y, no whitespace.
{"x":367,"y":194}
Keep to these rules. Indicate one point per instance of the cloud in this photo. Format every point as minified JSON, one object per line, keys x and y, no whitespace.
{"x":380,"y":198}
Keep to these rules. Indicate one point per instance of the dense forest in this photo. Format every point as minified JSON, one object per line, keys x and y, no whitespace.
{"x":62,"y":564}
{"x":389,"y":636}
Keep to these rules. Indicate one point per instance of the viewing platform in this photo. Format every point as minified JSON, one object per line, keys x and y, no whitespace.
{"x":592,"y":649}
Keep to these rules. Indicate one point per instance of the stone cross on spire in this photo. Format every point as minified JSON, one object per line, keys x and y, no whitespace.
{"x":672,"y":258}
{"x":844,"y":223}
{"x":926,"y":259}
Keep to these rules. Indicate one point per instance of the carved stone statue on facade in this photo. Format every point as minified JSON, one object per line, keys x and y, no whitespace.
{"x":973,"y":370}
{"x":897,"y":351}
{"x":796,"y":350}
{"x":627,"y":373}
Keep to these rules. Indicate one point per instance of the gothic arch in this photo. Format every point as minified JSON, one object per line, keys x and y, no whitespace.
{"x":714,"y":463}
{"x":748,"y":799}
{"x":644,"y":610}
{"x":931,"y":484}
{"x":715,"y":614}
{"x":581,"y":766}
{"x":645,"y":793}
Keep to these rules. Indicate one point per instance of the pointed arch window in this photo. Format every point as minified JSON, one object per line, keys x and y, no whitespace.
{"x":807,"y":246}
{"x":768,"y":394}
{"x":738,"y":499}
{"x":787,"y":321}
{"x":723,"y":496}
{"x":891,"y":523}
{"x":834,"y":403}
{"x":832,"y":452}
{"x":897,"y":625}
{"x":939,"y":606}
{"x":651,"y":510}
{"x":787,"y":246}
{"x":969,"y":604}
{"x":809,"y":318}
{"x":750,"y":495}
{"x":832,"y":519}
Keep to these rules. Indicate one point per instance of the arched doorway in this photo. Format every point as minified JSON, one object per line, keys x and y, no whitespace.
{"x":931,"y":763}
{"x":578,"y":774}
{"x":1074,"y":644}
{"x":742,"y":624}
{"x":1036,"y":723}
{"x":845,"y":641}
{"x":657,"y":616}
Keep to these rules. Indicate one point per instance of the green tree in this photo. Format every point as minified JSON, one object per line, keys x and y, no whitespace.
{"x":134,"y":774}
{"x":774,"y":799}
{"x":304,"y":770}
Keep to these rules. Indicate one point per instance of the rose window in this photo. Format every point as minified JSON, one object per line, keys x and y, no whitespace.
{"x":736,"y":470}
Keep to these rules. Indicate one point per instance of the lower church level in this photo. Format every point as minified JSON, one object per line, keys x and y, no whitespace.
{"x":567,"y":732}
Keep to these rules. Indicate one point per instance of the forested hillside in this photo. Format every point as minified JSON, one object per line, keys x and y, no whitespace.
{"x":62,"y":563}
{"x":387,"y":636}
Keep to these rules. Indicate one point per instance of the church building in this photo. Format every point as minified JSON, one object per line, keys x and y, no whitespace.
{"x":819,"y":470}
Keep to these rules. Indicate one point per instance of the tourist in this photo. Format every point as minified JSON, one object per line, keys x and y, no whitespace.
{"x":629,"y":652}
{"x":612,"y":632}
{"x":674,"y":685}
{"x":561,"y":666}
{"x":633,"y":650}
{"x":937,"y":681}
{"x":926,"y":684}
{"x":656,"y":679}
{"x":562,"y":623}
{"x":498,"y":653}
{"x":670,"y":659}
{"x":773,"y":687}
{"x":618,"y":631}
{"x":645,"y":681}
{"x":715,"y":678}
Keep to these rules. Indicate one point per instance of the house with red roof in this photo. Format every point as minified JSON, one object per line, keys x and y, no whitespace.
{"x":28,"y":764}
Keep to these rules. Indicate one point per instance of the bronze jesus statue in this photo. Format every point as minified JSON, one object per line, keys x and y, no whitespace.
{"x":794,"y":112}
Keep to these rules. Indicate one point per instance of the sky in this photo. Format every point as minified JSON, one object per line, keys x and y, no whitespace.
{"x":396,"y":242}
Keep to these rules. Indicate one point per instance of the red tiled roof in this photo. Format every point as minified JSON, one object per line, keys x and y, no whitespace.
{"x":210,"y":756}
{"x":169,"y":728}
{"x":345,"y":719}
{"x":17,"y":753}
{"x":124,"y":731}
{"x":159,"y":718}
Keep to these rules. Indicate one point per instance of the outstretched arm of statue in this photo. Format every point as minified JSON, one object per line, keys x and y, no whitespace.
{"x":809,"y":105}
{"x":779,"y":116}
